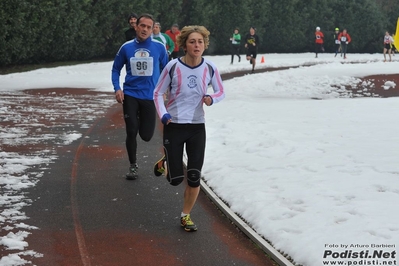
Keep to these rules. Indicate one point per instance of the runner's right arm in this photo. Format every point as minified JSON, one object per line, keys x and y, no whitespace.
{"x":162,"y":86}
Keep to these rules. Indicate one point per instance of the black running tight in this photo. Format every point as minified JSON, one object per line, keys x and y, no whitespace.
{"x":175,"y":136}
{"x":140,"y":117}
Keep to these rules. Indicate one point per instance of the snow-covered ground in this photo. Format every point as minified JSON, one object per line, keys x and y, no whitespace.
{"x":317,"y":178}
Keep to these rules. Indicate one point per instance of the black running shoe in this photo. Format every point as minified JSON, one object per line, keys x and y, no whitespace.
{"x":132,"y":175}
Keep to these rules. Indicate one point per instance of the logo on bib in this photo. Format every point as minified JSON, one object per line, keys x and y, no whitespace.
{"x":141,"y":53}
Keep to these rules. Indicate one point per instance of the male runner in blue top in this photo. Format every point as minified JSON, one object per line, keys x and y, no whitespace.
{"x":144,"y":59}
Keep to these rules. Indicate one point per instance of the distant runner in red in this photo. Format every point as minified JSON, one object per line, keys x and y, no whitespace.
{"x":319,"y":41}
{"x":345,"y":39}
{"x":173,"y":33}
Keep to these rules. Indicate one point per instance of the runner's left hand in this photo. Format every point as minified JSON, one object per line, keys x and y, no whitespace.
{"x":208,"y":100}
{"x":119,"y":96}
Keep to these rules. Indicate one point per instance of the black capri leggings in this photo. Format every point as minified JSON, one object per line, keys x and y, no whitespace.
{"x":174,"y":138}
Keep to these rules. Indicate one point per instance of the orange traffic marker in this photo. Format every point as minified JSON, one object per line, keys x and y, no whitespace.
{"x":263,"y":59}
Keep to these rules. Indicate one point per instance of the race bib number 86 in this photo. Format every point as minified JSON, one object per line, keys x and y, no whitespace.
{"x":142,"y":66}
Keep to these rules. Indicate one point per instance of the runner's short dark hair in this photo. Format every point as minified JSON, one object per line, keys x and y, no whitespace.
{"x":145,"y":15}
{"x":132,"y":15}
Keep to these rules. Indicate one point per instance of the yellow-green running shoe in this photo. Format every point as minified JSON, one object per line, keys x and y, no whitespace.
{"x":187,"y":224}
{"x":159,"y":167}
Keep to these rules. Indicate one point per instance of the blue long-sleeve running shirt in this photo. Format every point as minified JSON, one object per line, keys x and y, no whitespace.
{"x":144,"y":62}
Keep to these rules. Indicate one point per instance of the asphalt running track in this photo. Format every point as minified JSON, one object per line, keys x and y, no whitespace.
{"x":88,"y":214}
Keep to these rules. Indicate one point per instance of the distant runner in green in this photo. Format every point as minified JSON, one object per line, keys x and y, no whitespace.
{"x":235,"y":45}
{"x":163,"y":38}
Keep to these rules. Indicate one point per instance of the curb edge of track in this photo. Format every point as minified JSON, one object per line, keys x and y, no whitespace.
{"x":245,"y":228}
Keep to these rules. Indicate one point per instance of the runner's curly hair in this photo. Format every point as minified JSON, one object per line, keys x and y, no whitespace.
{"x":187,"y":30}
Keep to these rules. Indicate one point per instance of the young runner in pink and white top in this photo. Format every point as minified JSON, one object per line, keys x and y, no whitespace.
{"x":187,"y":80}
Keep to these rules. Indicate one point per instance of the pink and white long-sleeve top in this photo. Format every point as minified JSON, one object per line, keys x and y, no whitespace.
{"x":187,"y":87}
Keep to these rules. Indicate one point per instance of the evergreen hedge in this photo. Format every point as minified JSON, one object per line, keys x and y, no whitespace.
{"x":44,"y":31}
